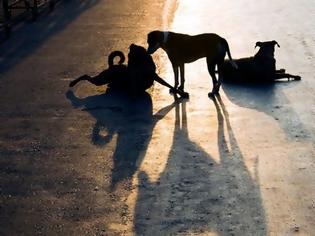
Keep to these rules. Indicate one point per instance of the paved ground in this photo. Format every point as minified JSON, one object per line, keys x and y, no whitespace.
{"x":82,"y":162}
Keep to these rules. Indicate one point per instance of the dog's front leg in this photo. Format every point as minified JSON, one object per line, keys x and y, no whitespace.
{"x":175,"y":69}
{"x":173,"y":90}
{"x":287,"y":76}
{"x":182,"y":77}
{"x":281,"y":71}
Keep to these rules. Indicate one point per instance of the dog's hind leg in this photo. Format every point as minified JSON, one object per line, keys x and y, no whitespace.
{"x":74,"y":82}
{"x":96,"y":80}
{"x":182,"y":77}
{"x":211,"y":69}
{"x":220,"y":76}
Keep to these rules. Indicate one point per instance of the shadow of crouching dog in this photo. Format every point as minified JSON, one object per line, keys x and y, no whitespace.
{"x":131,"y":121}
{"x":195,"y":194}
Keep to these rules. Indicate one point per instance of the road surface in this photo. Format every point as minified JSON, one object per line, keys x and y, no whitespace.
{"x":85,"y":162}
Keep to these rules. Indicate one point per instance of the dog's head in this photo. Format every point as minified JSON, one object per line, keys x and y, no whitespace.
{"x":138,"y":56}
{"x":266,"y":49}
{"x":155,"y":41}
{"x":136,"y":53}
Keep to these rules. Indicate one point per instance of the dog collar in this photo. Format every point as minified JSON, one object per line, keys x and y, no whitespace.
{"x":166,"y":33}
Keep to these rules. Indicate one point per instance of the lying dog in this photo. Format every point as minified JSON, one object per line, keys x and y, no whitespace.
{"x":259,"y":68}
{"x":183,"y":48}
{"x":134,"y":78}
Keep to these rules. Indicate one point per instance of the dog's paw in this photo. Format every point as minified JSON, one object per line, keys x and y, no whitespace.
{"x":281,"y":71}
{"x":211,"y":94}
{"x":181,"y":88}
{"x":184,"y":95}
{"x":297,"y":77}
{"x":172,"y":90}
{"x":216,"y":92}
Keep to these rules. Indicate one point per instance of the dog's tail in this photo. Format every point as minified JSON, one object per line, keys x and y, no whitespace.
{"x":114,"y":54}
{"x":227,"y":48}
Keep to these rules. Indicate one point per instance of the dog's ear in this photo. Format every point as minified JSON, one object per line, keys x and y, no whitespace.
{"x":155,"y":36}
{"x":258,"y":44}
{"x":275,"y":43}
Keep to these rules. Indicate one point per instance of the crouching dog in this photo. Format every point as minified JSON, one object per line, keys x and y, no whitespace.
{"x":134,"y":78}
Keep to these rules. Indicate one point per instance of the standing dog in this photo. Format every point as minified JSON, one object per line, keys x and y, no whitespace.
{"x":183,"y":48}
{"x":259,"y":68}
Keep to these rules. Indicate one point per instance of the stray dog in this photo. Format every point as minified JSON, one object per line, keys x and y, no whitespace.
{"x":141,"y":68}
{"x":259,"y":68}
{"x":183,"y":48}
{"x":134,"y":78}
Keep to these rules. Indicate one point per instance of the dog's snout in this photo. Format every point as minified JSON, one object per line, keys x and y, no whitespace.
{"x":152,"y":49}
{"x":258,"y":44}
{"x":276,"y":43}
{"x":149,"y":50}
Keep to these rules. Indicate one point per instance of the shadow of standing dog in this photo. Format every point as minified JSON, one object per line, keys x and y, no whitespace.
{"x":197,"y":195}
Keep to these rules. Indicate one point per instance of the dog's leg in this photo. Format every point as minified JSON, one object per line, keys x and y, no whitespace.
{"x":74,"y":82}
{"x":174,"y":90}
{"x":279,"y":76}
{"x":220,"y":77}
{"x":182,"y":77}
{"x":211,"y":69}
{"x":281,"y":71}
{"x":102,"y":78}
{"x":175,"y":69}
{"x":96,"y":80}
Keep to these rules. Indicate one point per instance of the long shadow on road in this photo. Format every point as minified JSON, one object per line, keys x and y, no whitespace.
{"x":197,"y":195}
{"x":131,"y":121}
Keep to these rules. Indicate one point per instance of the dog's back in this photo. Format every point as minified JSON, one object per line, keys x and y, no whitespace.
{"x":186,"y":48}
{"x":141,"y":67}
{"x":249,"y":70}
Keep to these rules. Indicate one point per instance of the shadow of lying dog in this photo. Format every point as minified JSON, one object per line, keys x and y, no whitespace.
{"x":258,"y":85}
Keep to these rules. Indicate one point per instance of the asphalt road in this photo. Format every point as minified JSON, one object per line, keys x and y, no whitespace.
{"x":85,"y":162}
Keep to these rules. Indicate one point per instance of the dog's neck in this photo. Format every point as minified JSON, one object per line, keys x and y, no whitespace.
{"x":165,"y":38}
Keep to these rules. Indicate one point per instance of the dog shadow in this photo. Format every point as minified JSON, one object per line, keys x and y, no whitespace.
{"x":270,"y":99}
{"x":129,"y":121}
{"x":194,"y":194}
